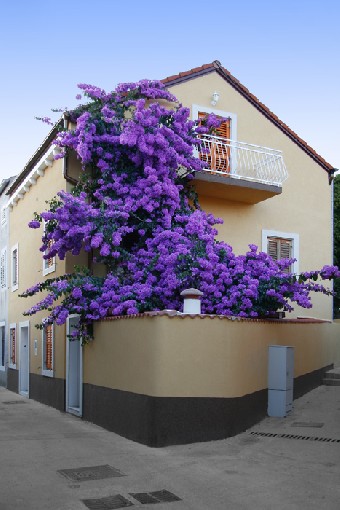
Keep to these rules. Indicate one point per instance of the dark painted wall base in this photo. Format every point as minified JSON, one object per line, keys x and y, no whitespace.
{"x":160,"y":421}
{"x":3,"y":378}
{"x":13,"y":380}
{"x":157,"y":422}
{"x":308,"y":382}
{"x":48,"y":390}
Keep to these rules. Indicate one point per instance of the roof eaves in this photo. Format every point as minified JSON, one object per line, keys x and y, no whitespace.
{"x":189,"y":75}
{"x":3,"y":185}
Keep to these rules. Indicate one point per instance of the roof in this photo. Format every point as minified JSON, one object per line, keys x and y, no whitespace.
{"x":4,"y":184}
{"x":170,"y":81}
{"x":35,"y":158}
{"x":217,"y":67}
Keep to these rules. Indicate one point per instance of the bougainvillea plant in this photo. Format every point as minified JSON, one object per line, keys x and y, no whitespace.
{"x":134,"y":211}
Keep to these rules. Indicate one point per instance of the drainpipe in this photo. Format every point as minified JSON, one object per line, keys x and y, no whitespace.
{"x":192,"y":301}
{"x":331,"y":182}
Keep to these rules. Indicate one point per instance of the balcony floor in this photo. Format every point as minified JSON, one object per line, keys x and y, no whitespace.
{"x":234,"y":189}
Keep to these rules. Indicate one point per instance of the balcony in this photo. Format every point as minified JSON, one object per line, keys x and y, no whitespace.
{"x":239,"y":171}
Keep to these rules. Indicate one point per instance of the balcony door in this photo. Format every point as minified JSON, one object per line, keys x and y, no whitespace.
{"x":217,"y":152}
{"x":221,"y":157}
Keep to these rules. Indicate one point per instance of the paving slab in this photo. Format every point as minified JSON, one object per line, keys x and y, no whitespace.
{"x":270,"y":466}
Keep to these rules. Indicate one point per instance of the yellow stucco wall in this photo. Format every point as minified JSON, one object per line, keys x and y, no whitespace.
{"x":304,"y":207}
{"x":31,"y":265}
{"x":200,"y":357}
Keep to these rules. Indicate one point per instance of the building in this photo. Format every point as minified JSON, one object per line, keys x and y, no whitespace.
{"x":4,"y":243}
{"x":139,"y":377}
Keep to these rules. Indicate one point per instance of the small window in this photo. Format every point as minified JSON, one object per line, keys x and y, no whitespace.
{"x":2,"y":345}
{"x":282,"y":245}
{"x":15,"y":267}
{"x":12,"y":345}
{"x":3,"y":269}
{"x":48,"y":264}
{"x":48,"y":350}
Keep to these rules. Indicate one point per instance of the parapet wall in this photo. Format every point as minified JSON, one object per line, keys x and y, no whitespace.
{"x":201,"y":356}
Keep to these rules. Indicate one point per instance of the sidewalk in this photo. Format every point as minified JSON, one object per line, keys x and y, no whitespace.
{"x":261,"y":469}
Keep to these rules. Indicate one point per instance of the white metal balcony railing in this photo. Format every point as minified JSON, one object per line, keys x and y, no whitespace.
{"x":241,"y":160}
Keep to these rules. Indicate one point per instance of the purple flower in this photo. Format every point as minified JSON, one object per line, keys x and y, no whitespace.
{"x":34,"y":224}
{"x":152,"y":238}
{"x":77,"y":293}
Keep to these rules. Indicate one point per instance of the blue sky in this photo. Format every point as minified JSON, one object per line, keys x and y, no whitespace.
{"x":285,"y":52}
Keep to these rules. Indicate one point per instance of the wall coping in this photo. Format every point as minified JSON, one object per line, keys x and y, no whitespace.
{"x":175,"y":314}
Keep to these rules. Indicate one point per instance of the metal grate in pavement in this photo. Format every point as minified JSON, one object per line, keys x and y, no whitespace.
{"x":108,"y":503}
{"x":84,"y":474}
{"x":310,"y":424}
{"x":144,"y":497}
{"x":163,"y":496}
{"x":10,"y":402}
{"x":296,"y":436}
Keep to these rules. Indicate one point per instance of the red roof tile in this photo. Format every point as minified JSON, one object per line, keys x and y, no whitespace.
{"x":234,"y":82}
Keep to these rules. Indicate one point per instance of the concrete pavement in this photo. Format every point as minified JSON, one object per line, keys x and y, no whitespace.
{"x":273,"y":465}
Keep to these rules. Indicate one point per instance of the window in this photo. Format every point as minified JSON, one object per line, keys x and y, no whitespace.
{"x":48,"y":264}
{"x":282,"y":245}
{"x":15,"y":267}
{"x":3,"y":215}
{"x":47,"y":350}
{"x":12,"y":345}
{"x":3,"y":269}
{"x":2,"y":344}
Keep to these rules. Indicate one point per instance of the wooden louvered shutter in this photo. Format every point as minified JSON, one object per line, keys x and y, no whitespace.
{"x":219,"y":157}
{"x":15,"y":267}
{"x":285,"y":248}
{"x":49,"y":262}
{"x":273,"y":248}
{"x":49,"y":347}
{"x":12,"y":336}
{"x":279,"y":248}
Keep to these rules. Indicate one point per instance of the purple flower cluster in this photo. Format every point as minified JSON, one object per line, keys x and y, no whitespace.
{"x":135,"y":214}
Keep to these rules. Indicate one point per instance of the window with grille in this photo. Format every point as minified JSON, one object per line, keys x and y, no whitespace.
{"x":282,"y":245}
{"x":12,"y":345}
{"x":2,"y":345}
{"x":3,"y":268}
{"x":47,"y":350}
{"x":15,"y":267}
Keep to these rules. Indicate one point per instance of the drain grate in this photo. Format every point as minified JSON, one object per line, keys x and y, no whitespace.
{"x":144,"y":497}
{"x":306,"y":424}
{"x":84,"y":474}
{"x":10,"y":402}
{"x":162,"y":496}
{"x":296,"y":436}
{"x":108,"y":503}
